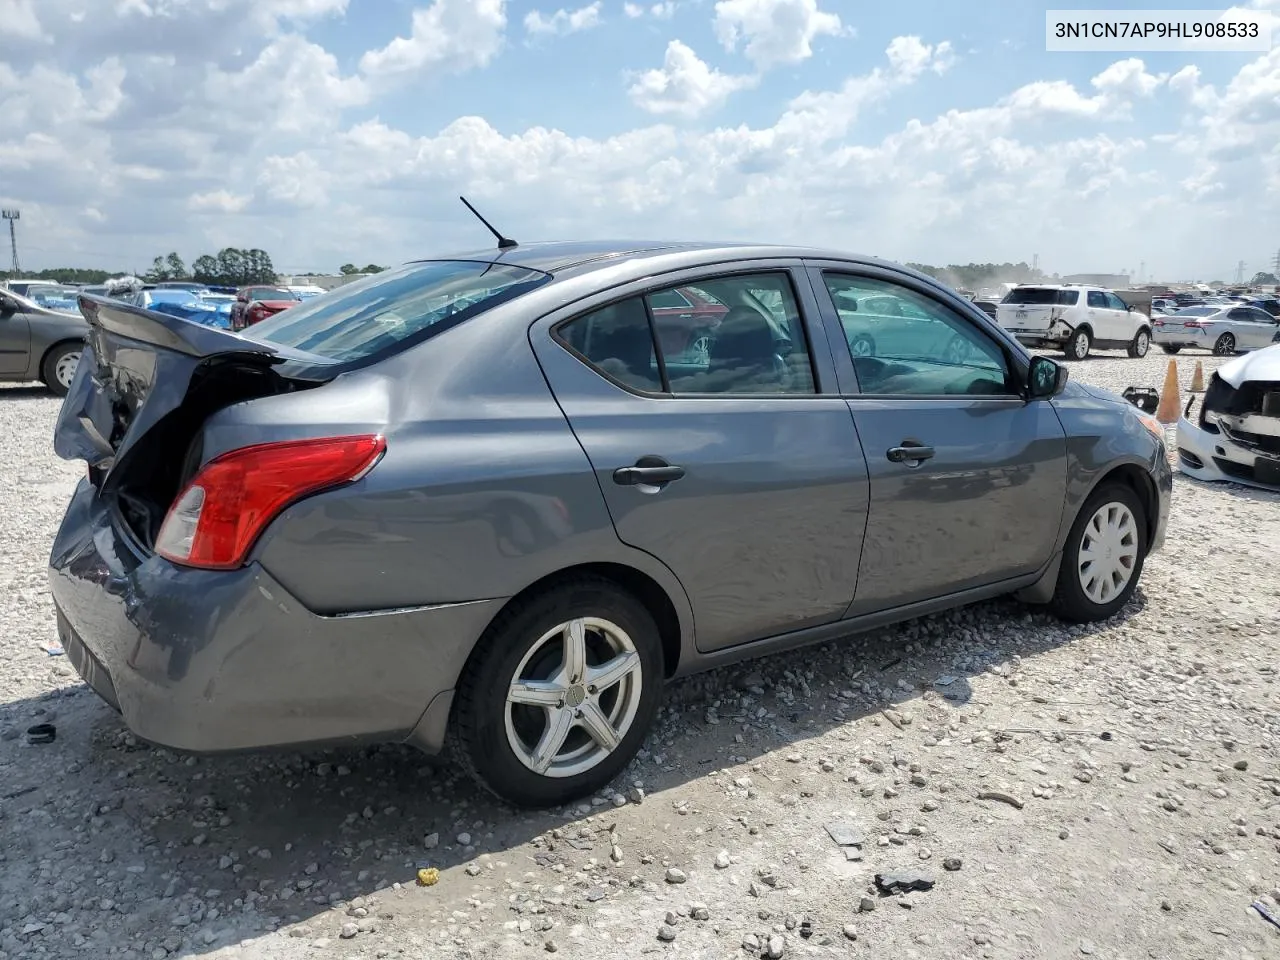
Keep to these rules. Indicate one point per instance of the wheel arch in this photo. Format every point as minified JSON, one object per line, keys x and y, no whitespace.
{"x":636,"y":582}
{"x":1139,"y":480}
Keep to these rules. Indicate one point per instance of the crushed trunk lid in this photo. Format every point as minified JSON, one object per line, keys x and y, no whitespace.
{"x":138,"y":367}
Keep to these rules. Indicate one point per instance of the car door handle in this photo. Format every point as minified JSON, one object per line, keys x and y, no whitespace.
{"x":649,"y":471}
{"x":910,"y":452}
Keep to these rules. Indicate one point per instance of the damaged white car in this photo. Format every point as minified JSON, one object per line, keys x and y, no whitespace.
{"x":1237,"y":433}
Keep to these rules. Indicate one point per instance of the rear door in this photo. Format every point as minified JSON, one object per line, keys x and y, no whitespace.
{"x":967,"y":479}
{"x":732,"y":468}
{"x":1253,"y":328}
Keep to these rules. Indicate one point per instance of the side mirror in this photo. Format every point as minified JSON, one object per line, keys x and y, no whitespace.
{"x":8,"y":307}
{"x":1045,"y":378}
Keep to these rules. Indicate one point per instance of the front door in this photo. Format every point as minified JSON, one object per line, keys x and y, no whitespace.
{"x":727,"y":465}
{"x":1253,"y":328}
{"x":15,"y":336}
{"x":967,"y":479}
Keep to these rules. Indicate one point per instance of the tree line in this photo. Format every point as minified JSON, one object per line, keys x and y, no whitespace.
{"x":975,"y":276}
{"x":230,"y":267}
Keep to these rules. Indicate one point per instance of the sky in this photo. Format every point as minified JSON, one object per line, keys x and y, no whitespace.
{"x":335,"y":131}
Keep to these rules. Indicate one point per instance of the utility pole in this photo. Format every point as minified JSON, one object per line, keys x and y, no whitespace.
{"x":1142,"y":271}
{"x":1240,"y":272}
{"x":1275,"y":264}
{"x":1035,"y":264}
{"x":13,"y":216}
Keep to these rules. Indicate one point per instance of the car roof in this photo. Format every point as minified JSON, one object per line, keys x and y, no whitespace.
{"x":582,"y":256}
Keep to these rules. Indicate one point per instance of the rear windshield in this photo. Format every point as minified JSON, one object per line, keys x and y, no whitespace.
{"x":1042,"y":296}
{"x":393,"y":309}
{"x":1197,"y":312}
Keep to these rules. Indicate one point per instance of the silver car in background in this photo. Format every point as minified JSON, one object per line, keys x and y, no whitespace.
{"x":1223,"y":329}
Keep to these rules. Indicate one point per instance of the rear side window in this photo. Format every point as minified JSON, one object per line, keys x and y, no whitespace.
{"x":733,"y":335}
{"x":388,"y":311}
{"x":1042,"y":297}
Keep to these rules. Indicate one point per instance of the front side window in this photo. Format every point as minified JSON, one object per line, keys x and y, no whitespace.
{"x":737,"y":335}
{"x":387,"y":311}
{"x":1115,"y":303}
{"x":1097,"y":299}
{"x":904,"y":343}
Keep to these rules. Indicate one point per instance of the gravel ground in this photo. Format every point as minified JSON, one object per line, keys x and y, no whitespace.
{"x":1107,"y":791}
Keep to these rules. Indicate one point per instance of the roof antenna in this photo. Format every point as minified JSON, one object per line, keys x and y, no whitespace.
{"x":504,"y":243}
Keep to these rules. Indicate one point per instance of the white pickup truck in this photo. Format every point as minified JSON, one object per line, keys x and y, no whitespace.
{"x":1073,"y":318}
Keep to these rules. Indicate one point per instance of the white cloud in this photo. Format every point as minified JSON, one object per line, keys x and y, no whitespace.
{"x":562,"y":22}
{"x":448,"y":36}
{"x":219,"y":201}
{"x":684,"y":85}
{"x":659,"y":11}
{"x":18,"y":19}
{"x":773,"y":32}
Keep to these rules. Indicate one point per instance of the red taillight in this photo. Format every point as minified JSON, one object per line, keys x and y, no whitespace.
{"x":216,"y":519}
{"x":1192,"y":323}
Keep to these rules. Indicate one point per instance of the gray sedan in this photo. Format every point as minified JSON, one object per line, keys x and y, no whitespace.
{"x":1225,"y":329}
{"x":492,"y":500}
{"x":39,"y":343}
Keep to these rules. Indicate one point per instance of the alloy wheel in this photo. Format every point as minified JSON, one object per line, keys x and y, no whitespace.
{"x":573,"y":697}
{"x":1225,"y":346}
{"x":1108,"y":552}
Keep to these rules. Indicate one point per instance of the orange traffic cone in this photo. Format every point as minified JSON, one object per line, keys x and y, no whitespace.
{"x":1170,"y":402}
{"x":1197,"y":381}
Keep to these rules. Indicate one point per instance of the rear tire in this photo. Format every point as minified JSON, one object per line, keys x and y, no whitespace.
{"x":1170,"y":348}
{"x":1141,"y":344}
{"x":59,"y":367}
{"x":518,"y":693}
{"x":1077,"y":348}
{"x":1103,"y":556}
{"x":1225,"y":346}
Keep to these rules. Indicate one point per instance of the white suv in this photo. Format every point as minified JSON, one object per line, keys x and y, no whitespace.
{"x":1074,"y":318}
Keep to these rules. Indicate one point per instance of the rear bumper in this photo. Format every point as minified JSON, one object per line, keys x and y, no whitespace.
{"x":1212,"y":457}
{"x":1179,"y":338}
{"x":211,"y":661}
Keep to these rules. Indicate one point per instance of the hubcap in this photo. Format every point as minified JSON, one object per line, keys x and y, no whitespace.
{"x":1082,"y":346}
{"x":1227,"y":344}
{"x":65,"y":370}
{"x":1108,"y":552}
{"x":1142,"y":344}
{"x":573,"y":697}
{"x":861,"y":347}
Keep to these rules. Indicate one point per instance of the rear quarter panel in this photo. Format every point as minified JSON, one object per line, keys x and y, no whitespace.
{"x":47,"y":330}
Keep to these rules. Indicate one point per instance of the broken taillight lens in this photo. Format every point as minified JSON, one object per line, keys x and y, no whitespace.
{"x":215,"y":521}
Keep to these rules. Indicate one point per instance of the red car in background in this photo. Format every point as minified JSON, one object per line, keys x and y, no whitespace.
{"x":255,"y":304}
{"x":686,"y":319}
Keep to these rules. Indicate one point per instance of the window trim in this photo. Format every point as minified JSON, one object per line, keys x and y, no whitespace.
{"x":1016,"y":359}
{"x":642,"y":289}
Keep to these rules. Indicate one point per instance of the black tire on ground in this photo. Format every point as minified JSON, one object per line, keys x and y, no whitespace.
{"x":1077,"y":347}
{"x":1070,"y":602}
{"x":1225,"y":345}
{"x":1170,"y":348}
{"x":1140,"y":344}
{"x":49,"y":368}
{"x":478,"y":734}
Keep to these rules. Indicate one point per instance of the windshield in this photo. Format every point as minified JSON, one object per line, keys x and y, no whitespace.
{"x":170,"y":296}
{"x":391,"y":309}
{"x":1042,"y":296}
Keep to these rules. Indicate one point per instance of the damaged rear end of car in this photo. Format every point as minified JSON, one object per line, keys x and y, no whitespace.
{"x":1236,"y":434}
{"x":203,"y":449}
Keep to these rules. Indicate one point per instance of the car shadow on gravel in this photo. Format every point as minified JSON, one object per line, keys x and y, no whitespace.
{"x":182,"y":855}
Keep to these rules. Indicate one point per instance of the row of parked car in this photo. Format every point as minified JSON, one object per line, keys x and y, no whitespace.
{"x":1077,"y":318}
{"x":42,"y":331}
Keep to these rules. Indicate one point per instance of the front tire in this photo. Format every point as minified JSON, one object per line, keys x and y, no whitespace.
{"x":1141,"y":344}
{"x":59,"y":367}
{"x":1077,"y":348}
{"x":1225,"y":346}
{"x":559,"y":693}
{"x":1103,"y":556}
